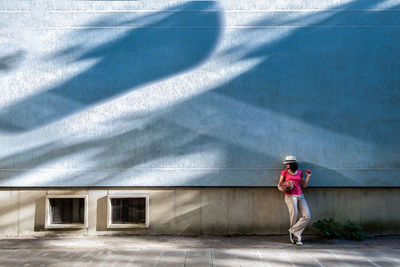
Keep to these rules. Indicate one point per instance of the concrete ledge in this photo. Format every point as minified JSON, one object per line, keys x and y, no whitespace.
{"x":199,"y":211}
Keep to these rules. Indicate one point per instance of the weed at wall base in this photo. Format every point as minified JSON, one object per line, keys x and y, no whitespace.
{"x":329,"y":228}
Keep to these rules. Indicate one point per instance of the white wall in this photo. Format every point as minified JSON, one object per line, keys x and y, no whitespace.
{"x":197,"y":93}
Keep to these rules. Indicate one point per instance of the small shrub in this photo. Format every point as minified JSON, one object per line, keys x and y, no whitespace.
{"x":329,"y":228}
{"x":353,"y":231}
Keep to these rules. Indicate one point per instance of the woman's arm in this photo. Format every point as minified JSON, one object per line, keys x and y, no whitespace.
{"x":304,"y":183}
{"x":281,"y":178}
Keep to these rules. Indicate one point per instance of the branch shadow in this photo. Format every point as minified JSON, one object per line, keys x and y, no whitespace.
{"x":314,"y":74}
{"x":11,"y":61}
{"x":139,"y":56}
{"x":338,"y":73}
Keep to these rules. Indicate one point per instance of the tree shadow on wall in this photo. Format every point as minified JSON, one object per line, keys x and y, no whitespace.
{"x":118,"y":159}
{"x":340,"y":73}
{"x":141,"y":55}
{"x":11,"y":61}
{"x":303,"y":75}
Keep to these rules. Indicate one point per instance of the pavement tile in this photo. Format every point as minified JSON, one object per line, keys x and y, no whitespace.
{"x":302,"y":257}
{"x":147,"y":257}
{"x":201,"y":257}
{"x":224,"y":257}
{"x":122,"y":257}
{"x":382,"y":257}
{"x":25,"y":257}
{"x":324,"y":257}
{"x":249,"y":257}
{"x":275,"y":257}
{"x":9,"y":253}
{"x":351,"y":257}
{"x":172,"y":258}
{"x":192,"y":251}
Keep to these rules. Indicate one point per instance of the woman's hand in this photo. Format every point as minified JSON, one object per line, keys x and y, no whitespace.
{"x":304,"y":183}
{"x":281,"y":188}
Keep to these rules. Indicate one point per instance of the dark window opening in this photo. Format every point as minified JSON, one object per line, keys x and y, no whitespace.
{"x":67,"y":210}
{"x":128,"y":210}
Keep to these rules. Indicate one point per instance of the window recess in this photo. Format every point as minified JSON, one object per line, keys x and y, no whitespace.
{"x":127,"y":211}
{"x":66,"y":211}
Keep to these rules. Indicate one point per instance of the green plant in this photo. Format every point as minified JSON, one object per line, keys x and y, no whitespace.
{"x":353,"y":231}
{"x":328,"y":227}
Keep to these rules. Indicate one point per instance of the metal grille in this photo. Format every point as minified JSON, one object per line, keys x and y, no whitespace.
{"x":67,"y":210}
{"x":128,"y":210}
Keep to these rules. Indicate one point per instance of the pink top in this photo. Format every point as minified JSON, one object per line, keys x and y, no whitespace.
{"x":296,"y":178}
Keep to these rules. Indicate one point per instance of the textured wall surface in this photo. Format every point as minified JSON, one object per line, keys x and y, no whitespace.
{"x":199,"y":93}
{"x":206,"y":211}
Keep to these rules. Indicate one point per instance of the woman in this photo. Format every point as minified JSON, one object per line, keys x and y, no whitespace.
{"x":294,"y":198}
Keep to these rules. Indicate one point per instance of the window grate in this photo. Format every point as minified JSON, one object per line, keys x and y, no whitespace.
{"x":67,"y":210}
{"x":128,"y":210}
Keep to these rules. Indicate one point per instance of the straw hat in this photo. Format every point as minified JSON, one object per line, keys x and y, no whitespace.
{"x":290,"y":159}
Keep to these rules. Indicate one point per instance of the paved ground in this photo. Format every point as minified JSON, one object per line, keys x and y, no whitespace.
{"x":197,"y":251}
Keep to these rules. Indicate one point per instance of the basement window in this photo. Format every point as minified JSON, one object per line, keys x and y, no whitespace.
{"x":127,"y":211}
{"x":66,"y":211}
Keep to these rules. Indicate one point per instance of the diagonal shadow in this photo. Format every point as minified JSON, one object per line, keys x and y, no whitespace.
{"x":340,"y":73}
{"x":141,"y":55}
{"x":302,"y":75}
{"x":11,"y":61}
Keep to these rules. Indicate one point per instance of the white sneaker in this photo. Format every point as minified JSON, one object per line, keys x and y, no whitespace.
{"x":298,"y":241}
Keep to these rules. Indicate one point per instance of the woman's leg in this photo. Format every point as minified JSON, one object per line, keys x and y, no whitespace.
{"x":291,"y":203}
{"x":298,"y":228}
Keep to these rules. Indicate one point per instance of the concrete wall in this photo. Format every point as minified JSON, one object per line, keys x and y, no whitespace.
{"x":198,"y":93}
{"x":206,"y":211}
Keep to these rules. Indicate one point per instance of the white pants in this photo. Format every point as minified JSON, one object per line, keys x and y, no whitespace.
{"x":296,"y":203}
